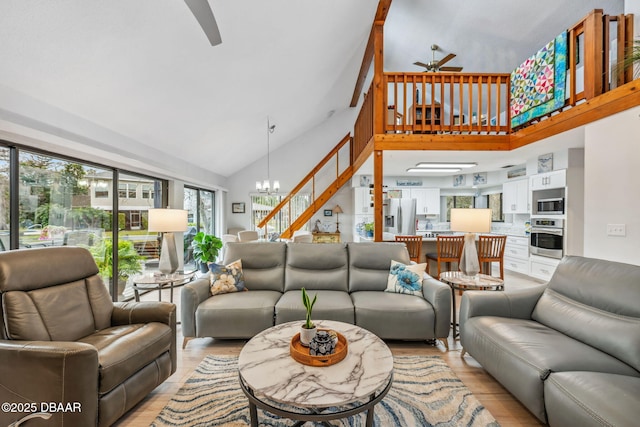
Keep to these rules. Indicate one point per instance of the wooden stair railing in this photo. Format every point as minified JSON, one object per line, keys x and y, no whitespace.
{"x":316,"y":203}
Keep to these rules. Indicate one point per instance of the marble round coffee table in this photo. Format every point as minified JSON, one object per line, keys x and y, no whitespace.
{"x":269,"y":375}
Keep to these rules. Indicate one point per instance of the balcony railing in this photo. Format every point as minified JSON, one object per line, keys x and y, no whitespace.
{"x":447,"y":102}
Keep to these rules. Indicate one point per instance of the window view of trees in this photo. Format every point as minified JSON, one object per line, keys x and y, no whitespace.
{"x":200,"y":205}
{"x":262,"y":204}
{"x":62,"y":202}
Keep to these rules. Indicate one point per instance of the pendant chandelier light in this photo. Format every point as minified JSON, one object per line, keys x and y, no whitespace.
{"x":265,"y":186}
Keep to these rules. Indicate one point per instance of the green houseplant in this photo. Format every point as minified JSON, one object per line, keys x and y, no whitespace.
{"x":205,"y":249}
{"x":129,"y":261}
{"x":308,"y":329}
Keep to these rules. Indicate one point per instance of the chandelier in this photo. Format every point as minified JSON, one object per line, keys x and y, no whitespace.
{"x":265,"y":186}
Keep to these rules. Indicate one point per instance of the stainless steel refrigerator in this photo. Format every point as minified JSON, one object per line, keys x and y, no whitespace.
{"x":400,"y":216}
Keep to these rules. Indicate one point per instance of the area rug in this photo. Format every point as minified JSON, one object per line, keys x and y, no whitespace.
{"x":425,"y":392}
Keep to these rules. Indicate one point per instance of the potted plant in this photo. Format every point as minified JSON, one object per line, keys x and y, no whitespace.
{"x":205,"y":249}
{"x":308,"y":329}
{"x":368,"y":228}
{"x":128,"y":261}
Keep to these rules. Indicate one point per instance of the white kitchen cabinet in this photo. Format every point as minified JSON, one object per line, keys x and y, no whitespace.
{"x":516,"y":254}
{"x":362,"y":201}
{"x":542,"y":267}
{"x":427,"y":200}
{"x":544,"y":181}
{"x":515,"y":196}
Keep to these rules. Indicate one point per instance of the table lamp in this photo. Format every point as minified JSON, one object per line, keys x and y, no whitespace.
{"x":337,"y":210}
{"x":470,"y":221}
{"x":167,"y":222}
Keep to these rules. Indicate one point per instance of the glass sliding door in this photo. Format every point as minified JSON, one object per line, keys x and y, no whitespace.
{"x":5,"y":242}
{"x":200,"y":205}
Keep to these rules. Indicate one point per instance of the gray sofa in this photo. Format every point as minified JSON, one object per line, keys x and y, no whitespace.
{"x":349,"y":279}
{"x":568,"y":350}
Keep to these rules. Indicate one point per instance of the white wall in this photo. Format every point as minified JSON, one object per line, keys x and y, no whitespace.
{"x":612,"y":174}
{"x":289,"y":164}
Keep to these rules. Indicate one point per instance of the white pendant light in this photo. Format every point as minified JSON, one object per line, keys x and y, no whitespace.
{"x":265,"y":186}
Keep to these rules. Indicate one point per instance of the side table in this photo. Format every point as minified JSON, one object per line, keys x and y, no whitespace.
{"x":459,"y":282}
{"x":158,"y":281}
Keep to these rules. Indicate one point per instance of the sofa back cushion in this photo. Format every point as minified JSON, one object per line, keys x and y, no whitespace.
{"x":52,"y":294}
{"x":262,"y":264}
{"x":596,"y":302}
{"x":370,"y":263}
{"x":322,"y":266}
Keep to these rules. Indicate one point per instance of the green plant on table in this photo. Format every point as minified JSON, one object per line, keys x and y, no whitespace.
{"x":308,"y":304}
{"x":205,"y":247}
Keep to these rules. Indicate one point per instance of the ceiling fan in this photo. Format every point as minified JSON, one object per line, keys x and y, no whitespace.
{"x":437,"y":65}
{"x":204,"y":15}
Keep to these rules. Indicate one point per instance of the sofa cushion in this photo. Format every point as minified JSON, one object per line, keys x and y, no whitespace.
{"x":331,"y":305}
{"x":521,"y":353}
{"x":588,"y":298}
{"x":369,"y":264}
{"x":394,"y":316}
{"x":226,"y":278}
{"x":577,"y":399}
{"x":406,"y":279}
{"x":56,"y":313}
{"x":262,"y":263}
{"x":317,"y":266}
{"x":124,"y":350}
{"x":236,"y":315}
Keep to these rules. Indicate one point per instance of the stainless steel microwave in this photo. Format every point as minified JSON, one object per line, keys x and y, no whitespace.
{"x":551,"y":206}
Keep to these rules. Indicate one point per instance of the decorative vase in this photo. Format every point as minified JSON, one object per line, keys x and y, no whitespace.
{"x":306,"y":335}
{"x":204,"y":267}
{"x":323,"y":343}
{"x":469,"y":264}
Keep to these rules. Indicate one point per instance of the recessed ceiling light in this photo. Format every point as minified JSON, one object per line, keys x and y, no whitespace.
{"x":431,"y":165}
{"x":438,"y":170}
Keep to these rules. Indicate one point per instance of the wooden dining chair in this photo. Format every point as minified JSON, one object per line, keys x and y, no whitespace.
{"x":490,"y":250}
{"x":414,"y":246}
{"x":448,"y":250}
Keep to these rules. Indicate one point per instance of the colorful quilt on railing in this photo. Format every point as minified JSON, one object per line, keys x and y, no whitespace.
{"x":538,"y":85}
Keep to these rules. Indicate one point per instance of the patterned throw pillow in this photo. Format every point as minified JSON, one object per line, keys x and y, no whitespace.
{"x":226,"y":278}
{"x":406,"y":279}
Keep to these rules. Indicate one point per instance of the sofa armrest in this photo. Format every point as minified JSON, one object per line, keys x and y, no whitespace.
{"x":192,"y":295}
{"x":128,"y":313}
{"x":517,"y":304}
{"x":439,"y":295}
{"x":38,"y":373}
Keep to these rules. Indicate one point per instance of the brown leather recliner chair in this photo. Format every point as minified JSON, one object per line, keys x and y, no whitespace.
{"x":63,"y":342}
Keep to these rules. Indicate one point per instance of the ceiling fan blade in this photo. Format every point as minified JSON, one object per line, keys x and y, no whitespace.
{"x":421,"y":64}
{"x":450,"y":69}
{"x":446,"y":59}
{"x":203,"y":13}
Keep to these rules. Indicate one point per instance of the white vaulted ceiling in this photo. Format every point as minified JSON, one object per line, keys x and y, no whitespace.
{"x":144,"y":73}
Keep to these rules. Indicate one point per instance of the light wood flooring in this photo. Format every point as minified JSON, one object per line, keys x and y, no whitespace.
{"x":504,"y":407}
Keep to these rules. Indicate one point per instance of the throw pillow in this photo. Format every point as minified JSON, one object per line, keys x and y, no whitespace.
{"x":406,"y":279}
{"x":226,"y":278}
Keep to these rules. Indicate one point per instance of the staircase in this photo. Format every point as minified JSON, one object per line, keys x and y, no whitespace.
{"x":324,"y":180}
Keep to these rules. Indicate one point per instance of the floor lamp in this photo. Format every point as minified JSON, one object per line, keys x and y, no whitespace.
{"x":470,"y":221}
{"x":168,"y":222}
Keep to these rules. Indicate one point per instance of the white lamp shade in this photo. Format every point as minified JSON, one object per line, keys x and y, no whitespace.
{"x":167,"y":220}
{"x":471,"y":220}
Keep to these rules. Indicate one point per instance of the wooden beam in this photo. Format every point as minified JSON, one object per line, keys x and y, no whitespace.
{"x":379,"y":90}
{"x":445,"y":142}
{"x":593,"y":54}
{"x":381,"y":16}
{"x":377,"y":195}
{"x":612,"y":102}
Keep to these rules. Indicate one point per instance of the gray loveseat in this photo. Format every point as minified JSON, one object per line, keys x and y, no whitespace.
{"x":568,"y":350}
{"x":349,"y":279}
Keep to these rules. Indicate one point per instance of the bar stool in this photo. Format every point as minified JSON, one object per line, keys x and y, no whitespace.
{"x":490,"y":250}
{"x":414,"y":246}
{"x":449,"y":249}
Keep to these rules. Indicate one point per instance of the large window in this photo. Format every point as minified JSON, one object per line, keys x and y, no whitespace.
{"x":492,"y":201}
{"x":64,"y":202}
{"x":200,"y":205}
{"x":262,"y":205}
{"x":458,"y":202}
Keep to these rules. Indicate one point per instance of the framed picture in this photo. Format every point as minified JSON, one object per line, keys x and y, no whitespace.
{"x":479,"y":178}
{"x":328,"y":212}
{"x":237,"y":207}
{"x":365,"y":180}
{"x":413,"y":182}
{"x":545,"y":163}
{"x":459,"y":180}
{"x":517,"y":171}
